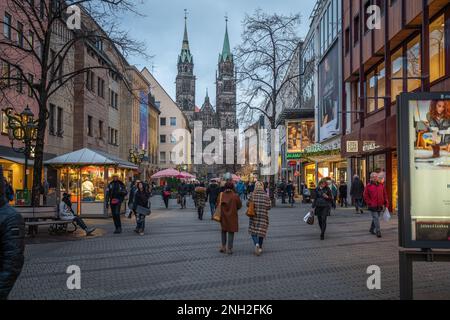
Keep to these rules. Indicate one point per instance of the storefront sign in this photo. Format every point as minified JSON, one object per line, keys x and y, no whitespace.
{"x":294,"y":156}
{"x":424,"y":194}
{"x":369,"y":146}
{"x":352,"y":146}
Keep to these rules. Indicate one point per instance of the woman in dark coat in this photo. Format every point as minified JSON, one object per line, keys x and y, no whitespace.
{"x":166,"y":193}
{"x":200,"y":196}
{"x":141,"y":198}
{"x":260,"y":223}
{"x":322,"y":205}
{"x":230,"y":203}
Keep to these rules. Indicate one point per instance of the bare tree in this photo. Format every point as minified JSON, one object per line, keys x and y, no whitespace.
{"x":268,"y":45}
{"x":45,"y":20}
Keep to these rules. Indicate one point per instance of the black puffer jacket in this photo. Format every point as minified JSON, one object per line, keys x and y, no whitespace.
{"x":12,"y":245}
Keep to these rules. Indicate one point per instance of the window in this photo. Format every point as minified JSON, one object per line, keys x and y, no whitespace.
{"x":6,"y":74}
{"x":162,"y":138}
{"x":375,"y":88}
{"x":437,"y":48}
{"x":173,"y":140}
{"x":59,"y":123}
{"x":90,"y":133}
{"x":90,"y":76}
{"x":31,"y":39}
{"x":116,"y":137}
{"x":31,"y":81}
{"x":381,"y":86}
{"x":173,"y":121}
{"x":173,"y":157}
{"x":162,"y":157}
{"x":20,"y":34}
{"x":413,"y":56}
{"x":356,"y":30}
{"x":7,"y":21}
{"x":100,"y":129}
{"x":100,"y":87}
{"x":397,"y":74}
{"x":370,"y":91}
{"x":19,"y":84}
{"x":51,"y":120}
{"x":162,"y":122}
{"x":4,"y":123}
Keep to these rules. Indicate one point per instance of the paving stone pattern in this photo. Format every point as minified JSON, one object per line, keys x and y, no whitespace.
{"x":178,"y":258}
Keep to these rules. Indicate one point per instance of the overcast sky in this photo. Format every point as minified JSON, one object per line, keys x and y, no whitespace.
{"x":162,"y":30}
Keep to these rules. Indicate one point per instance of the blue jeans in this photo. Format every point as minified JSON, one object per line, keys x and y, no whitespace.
{"x":140,"y":222}
{"x":375,"y":226}
{"x":359,"y":203}
{"x":257,"y":240}
{"x":213,"y":208}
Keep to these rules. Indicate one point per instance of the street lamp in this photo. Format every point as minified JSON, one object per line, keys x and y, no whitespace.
{"x":22,"y":127}
{"x":136,"y":156}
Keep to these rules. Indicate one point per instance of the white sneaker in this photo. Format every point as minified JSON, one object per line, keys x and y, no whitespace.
{"x":257,"y":250}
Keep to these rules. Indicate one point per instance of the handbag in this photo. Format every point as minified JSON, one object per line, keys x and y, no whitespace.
{"x":143,"y":211}
{"x":251,"y":210}
{"x":115,"y":201}
{"x":218,"y":213}
{"x":309,"y":218}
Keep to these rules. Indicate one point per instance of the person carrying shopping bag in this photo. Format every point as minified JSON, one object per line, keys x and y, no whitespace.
{"x":259,"y":223}
{"x":322,"y":205}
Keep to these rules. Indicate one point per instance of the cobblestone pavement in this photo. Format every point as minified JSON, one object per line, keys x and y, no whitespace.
{"x":178,"y":258}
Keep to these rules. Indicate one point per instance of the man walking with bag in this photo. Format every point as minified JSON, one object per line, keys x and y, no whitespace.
{"x":375,"y":195}
{"x":115,"y":195}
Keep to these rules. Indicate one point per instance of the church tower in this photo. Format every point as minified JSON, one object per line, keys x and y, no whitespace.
{"x":226,"y":86}
{"x":185,"y":82}
{"x":226,"y":98}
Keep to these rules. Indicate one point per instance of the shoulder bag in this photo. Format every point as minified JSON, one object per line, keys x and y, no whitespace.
{"x":218,"y":213}
{"x":251,"y":209}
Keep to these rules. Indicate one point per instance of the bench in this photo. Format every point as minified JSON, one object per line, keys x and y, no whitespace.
{"x":41,"y":216}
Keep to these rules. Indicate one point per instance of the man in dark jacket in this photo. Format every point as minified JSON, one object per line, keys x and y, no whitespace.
{"x":182,"y":192}
{"x":343,"y":194}
{"x":212,"y":193}
{"x":12,"y":245}
{"x":115,"y":195}
{"x":357,"y":192}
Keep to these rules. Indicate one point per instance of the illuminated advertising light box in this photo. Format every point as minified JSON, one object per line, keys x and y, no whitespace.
{"x":424,"y":173}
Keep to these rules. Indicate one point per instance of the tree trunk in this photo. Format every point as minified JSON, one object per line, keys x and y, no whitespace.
{"x":39,"y":156}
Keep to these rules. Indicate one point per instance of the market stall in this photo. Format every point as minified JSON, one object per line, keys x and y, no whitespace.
{"x":84,"y":174}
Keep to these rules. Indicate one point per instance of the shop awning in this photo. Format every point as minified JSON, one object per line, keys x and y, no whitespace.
{"x":88,"y":157}
{"x":18,"y":160}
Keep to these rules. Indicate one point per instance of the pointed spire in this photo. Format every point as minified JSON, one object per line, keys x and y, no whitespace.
{"x":185,"y":37}
{"x":185,"y":55}
{"x":226,"y":51}
{"x":207,"y":98}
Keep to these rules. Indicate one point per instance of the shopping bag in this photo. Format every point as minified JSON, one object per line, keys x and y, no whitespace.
{"x":309,"y":218}
{"x":386,"y":215}
{"x":218,"y":213}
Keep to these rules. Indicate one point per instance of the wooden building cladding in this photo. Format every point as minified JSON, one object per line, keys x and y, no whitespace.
{"x":398,"y":53}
